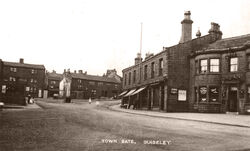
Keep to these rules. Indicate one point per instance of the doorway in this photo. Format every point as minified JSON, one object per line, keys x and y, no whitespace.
{"x":232,"y":99}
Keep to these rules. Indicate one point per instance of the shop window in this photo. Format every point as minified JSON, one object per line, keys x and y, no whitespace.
{"x":203,"y":94}
{"x":203,"y":66}
{"x":214,"y":94}
{"x":233,"y":64}
{"x":214,"y":65}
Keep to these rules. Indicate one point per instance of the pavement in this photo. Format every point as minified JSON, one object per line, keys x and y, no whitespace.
{"x":10,"y":107}
{"x":222,"y":119}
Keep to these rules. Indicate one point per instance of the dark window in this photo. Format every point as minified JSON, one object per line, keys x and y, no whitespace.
{"x":214,"y":65}
{"x":203,"y":65}
{"x":203,"y":94}
{"x":196,"y":67}
{"x":195,"y":94}
{"x":160,"y":66}
{"x":248,"y":62}
{"x":152,"y":69}
{"x":248,"y":93}
{"x":233,"y":64}
{"x":145,"y":72}
{"x":125,"y":80}
{"x":129,"y":78}
{"x":134,"y":76}
{"x":214,"y":94}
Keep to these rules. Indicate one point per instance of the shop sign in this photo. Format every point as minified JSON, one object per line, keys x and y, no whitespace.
{"x":182,"y":95}
{"x":234,"y":88}
{"x":27,"y":89}
{"x":3,"y":88}
{"x":173,"y":91}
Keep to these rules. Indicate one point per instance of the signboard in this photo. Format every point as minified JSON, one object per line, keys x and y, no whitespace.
{"x":27,"y":89}
{"x":173,"y":91}
{"x":3,"y":88}
{"x":182,"y":95}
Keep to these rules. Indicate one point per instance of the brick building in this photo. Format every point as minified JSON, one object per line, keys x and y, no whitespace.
{"x":161,"y":81}
{"x":84,"y":86}
{"x":21,"y":79}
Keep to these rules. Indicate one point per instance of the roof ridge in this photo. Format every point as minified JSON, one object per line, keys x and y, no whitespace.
{"x":235,"y":37}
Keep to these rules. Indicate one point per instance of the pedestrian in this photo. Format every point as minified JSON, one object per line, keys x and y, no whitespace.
{"x":97,"y":103}
{"x":90,"y":101}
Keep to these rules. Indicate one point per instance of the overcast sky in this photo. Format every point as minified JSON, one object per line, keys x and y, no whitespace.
{"x":96,"y":35}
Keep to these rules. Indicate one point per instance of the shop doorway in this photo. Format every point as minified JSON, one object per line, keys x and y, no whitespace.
{"x":232,"y":99}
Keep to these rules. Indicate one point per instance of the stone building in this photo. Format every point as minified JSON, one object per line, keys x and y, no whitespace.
{"x":52,"y":82}
{"x":161,"y":81}
{"x":220,"y":76}
{"x":21,"y":79}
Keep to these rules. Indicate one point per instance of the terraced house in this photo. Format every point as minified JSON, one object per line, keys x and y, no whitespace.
{"x":205,"y":74}
{"x":20,"y":79}
{"x":84,"y":86}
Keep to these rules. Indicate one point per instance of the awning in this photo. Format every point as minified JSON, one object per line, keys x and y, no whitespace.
{"x":129,"y":93}
{"x":123,"y":93}
{"x":139,"y":90}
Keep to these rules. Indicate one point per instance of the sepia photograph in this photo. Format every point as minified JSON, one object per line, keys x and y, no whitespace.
{"x":124,"y":75}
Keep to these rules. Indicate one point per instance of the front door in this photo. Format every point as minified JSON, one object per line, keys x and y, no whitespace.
{"x":232,"y":99}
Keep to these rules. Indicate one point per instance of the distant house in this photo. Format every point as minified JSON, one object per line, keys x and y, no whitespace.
{"x":53,"y":80}
{"x":84,"y":86}
{"x":20,"y":79}
{"x":113,"y":74}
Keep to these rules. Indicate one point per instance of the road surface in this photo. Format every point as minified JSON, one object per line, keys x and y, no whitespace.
{"x":83,"y":127}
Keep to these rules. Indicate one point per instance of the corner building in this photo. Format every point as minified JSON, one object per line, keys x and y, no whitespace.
{"x":220,"y":76}
{"x":197,"y":75}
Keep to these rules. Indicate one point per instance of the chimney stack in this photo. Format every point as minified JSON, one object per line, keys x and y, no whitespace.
{"x":138,"y":59}
{"x":186,"y":27}
{"x":215,"y":29}
{"x":80,"y":71}
{"x":21,"y":60}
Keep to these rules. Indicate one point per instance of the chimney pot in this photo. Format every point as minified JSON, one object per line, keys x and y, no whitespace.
{"x":21,"y":60}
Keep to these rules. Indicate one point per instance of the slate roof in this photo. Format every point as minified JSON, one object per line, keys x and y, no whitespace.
{"x":94,"y":78}
{"x":230,"y":42}
{"x":25,"y":65}
{"x":56,"y":76}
